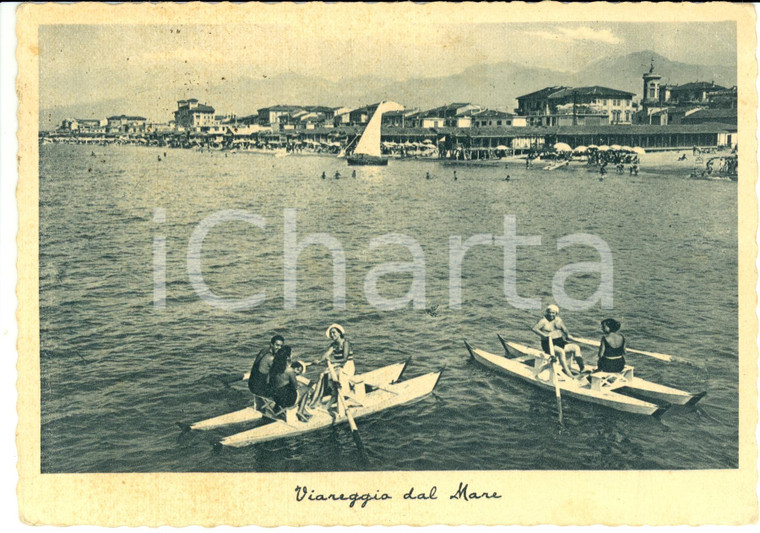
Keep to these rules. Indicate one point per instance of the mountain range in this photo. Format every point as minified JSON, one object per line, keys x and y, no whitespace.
{"x":494,"y":85}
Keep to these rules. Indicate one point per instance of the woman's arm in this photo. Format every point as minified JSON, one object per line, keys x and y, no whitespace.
{"x":327,"y":354}
{"x":346,"y":348}
{"x":601,"y":348}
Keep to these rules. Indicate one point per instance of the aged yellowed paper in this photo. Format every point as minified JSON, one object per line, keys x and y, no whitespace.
{"x":349,"y":202}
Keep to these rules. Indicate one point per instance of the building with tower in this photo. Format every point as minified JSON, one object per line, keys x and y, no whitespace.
{"x":192,"y":115}
{"x":654,"y":110}
{"x":689,"y":103}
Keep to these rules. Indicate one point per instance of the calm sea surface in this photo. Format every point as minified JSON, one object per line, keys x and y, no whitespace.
{"x":117,"y":373}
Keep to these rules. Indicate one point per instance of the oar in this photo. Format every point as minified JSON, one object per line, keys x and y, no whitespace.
{"x":655,"y":355}
{"x":350,"y":417}
{"x":556,"y":381}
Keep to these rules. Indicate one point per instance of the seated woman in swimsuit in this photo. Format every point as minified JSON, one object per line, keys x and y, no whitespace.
{"x":552,"y":326}
{"x":283,"y":384}
{"x":340,"y":354}
{"x":611,"y":347}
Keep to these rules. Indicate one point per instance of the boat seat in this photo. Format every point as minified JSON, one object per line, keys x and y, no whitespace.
{"x":358,"y":389}
{"x":601,"y":379}
{"x":291,"y":416}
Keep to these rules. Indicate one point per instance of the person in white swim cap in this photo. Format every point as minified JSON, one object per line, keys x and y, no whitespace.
{"x":552,"y":327}
{"x":341,"y":355}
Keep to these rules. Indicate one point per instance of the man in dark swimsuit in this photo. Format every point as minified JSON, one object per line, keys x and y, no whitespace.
{"x":258,"y":380}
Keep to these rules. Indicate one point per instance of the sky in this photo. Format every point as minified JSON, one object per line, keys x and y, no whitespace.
{"x":84,"y":63}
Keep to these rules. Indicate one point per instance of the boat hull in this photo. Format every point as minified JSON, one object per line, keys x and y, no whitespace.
{"x":366,"y":160}
{"x":570,"y":387}
{"x":378,"y":377}
{"x":632,"y":384}
{"x":392,"y":395}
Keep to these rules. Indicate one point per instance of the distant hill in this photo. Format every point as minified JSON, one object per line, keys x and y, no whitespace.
{"x":493,"y":85}
{"x":624,"y":72}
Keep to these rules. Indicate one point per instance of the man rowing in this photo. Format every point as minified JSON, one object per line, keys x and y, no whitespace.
{"x":552,"y":327}
{"x":258,"y":381}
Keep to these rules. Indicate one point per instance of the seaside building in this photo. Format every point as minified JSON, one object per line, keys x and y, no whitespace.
{"x":83,"y":125}
{"x":399,"y":119}
{"x":454,"y":115}
{"x":268,"y":116}
{"x":574,"y":106}
{"x":490,"y":118}
{"x":361,"y":115}
{"x":192,"y":115}
{"x":706,"y":115}
{"x":247,"y":120}
{"x":292,"y":117}
{"x":159,"y":127}
{"x":694,"y":93}
{"x":696,"y":102}
{"x":723,"y":98}
{"x":125,"y":124}
{"x":341,"y":116}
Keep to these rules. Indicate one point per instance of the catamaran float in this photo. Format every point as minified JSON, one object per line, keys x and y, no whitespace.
{"x":602,"y":388}
{"x":371,"y":392}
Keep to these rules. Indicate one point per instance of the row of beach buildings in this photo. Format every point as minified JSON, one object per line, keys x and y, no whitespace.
{"x":692,"y":114}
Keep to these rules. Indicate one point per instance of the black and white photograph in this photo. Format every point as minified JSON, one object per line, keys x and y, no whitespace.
{"x":350,"y":241}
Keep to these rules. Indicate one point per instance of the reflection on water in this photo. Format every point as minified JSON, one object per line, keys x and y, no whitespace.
{"x":118,"y":373}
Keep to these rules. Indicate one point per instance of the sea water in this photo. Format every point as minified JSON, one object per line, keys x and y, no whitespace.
{"x":118,"y":370}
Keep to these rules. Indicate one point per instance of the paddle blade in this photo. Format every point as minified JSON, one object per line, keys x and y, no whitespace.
{"x":355,"y":432}
{"x":360,"y":447}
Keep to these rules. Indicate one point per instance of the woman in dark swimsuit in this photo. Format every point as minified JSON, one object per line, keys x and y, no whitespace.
{"x":611,"y":347}
{"x":283,"y":385}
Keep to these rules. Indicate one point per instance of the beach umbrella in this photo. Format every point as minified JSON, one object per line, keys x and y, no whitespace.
{"x":427,"y":141}
{"x":593,"y":147}
{"x":502,"y":147}
{"x":615,"y":147}
{"x":604,"y":148}
{"x":562,"y":147}
{"x":639,"y":150}
{"x":580,"y":149}
{"x":626,"y":149}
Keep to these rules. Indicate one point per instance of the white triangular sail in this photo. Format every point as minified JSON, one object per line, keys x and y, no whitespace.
{"x":369,"y":144}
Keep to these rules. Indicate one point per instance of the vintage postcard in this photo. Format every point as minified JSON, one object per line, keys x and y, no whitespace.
{"x":321,"y":264}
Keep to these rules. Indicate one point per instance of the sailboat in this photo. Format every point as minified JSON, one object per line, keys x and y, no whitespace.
{"x":367,"y":151}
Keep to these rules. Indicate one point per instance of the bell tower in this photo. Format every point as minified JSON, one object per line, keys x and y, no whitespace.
{"x":651,"y":96}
